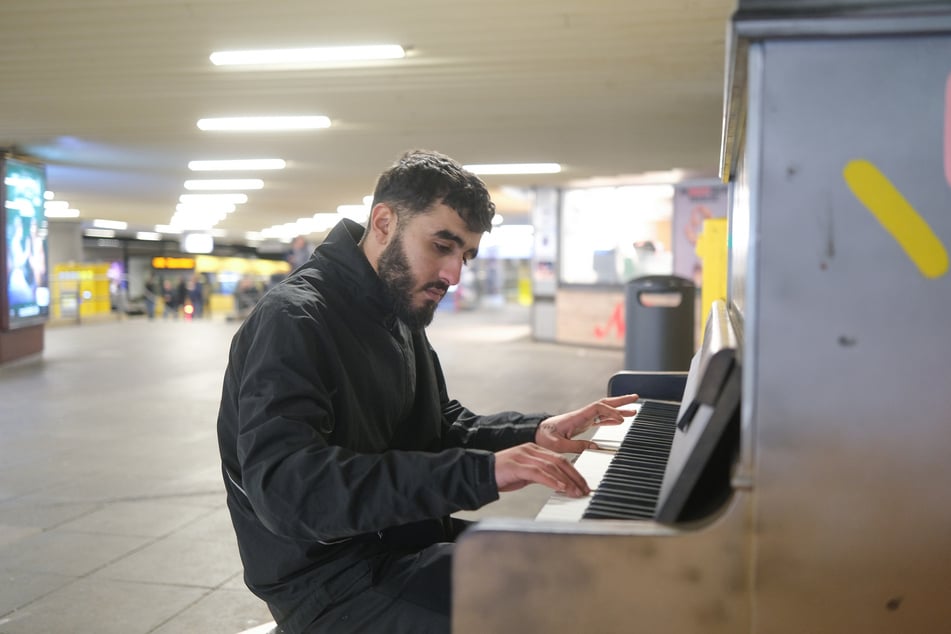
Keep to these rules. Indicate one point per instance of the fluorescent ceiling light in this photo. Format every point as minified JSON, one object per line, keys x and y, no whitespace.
{"x":287,"y":231}
{"x":237,"y":164}
{"x":304,"y":122}
{"x":100,"y":233}
{"x":168,"y":229}
{"x":316,"y":55}
{"x":110,"y":224}
{"x":236,"y":199}
{"x":196,"y":220}
{"x":224,"y":183}
{"x":305,"y":226}
{"x":148,"y":235}
{"x":55,"y":204}
{"x":198,"y":243}
{"x":62,"y":213}
{"x":358,"y":213}
{"x":514,"y":168}
{"x":221,"y":206}
{"x":192,"y":225}
{"x":325,"y":221}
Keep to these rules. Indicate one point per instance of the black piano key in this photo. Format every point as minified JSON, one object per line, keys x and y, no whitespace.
{"x":631,"y":484}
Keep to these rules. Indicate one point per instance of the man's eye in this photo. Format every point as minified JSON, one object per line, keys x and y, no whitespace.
{"x":444,"y":248}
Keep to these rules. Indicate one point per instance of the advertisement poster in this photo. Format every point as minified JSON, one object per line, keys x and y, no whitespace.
{"x":694,"y":203}
{"x":26,"y":280}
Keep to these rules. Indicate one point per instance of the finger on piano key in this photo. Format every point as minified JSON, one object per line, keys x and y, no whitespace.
{"x":612,"y":435}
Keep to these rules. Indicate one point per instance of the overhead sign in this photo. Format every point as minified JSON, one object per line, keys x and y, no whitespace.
{"x":164,"y":262}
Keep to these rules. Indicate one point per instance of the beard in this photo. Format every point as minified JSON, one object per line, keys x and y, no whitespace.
{"x":399,"y":283}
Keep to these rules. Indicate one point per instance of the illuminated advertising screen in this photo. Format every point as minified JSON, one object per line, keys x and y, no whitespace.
{"x":26,"y":294}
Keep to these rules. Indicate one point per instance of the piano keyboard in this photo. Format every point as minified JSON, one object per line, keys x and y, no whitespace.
{"x":626,"y":473}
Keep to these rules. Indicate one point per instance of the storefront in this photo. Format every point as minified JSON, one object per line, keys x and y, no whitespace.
{"x":589,"y":242}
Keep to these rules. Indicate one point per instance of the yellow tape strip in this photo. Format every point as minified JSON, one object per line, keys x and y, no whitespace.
{"x":897,"y":216}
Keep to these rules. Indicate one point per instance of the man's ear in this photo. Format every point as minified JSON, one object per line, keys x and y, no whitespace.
{"x":382,"y":223}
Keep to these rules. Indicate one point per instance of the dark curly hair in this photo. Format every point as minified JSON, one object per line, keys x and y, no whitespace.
{"x":422,"y":178}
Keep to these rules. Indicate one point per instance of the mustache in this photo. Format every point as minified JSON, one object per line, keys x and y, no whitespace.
{"x":442,"y":286}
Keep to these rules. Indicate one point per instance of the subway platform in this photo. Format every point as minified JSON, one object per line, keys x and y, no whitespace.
{"x":112,"y":512}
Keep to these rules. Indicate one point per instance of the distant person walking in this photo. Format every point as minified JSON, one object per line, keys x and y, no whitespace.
{"x":173,"y":296}
{"x":301,"y":250}
{"x":151,"y":292}
{"x":196,"y":295}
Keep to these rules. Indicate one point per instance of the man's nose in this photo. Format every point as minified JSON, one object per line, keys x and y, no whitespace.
{"x":452,"y":270}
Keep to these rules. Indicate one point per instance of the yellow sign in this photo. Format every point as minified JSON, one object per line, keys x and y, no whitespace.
{"x":163,"y":262}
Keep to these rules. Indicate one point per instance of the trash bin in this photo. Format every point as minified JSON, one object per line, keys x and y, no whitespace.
{"x":659,"y":323}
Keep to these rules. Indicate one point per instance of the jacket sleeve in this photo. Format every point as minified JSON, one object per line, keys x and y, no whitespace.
{"x":302,"y":487}
{"x":492,"y":432}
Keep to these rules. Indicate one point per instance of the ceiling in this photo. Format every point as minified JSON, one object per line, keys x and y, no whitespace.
{"x":108,"y":93}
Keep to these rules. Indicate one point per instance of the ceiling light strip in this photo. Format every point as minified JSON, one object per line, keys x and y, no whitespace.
{"x":270,"y":124}
{"x":315,"y":55}
{"x":224,"y":183}
{"x":514,"y":168}
{"x":237,"y":199}
{"x":237,"y":165}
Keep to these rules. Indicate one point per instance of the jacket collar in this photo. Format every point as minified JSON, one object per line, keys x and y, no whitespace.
{"x":351,"y":264}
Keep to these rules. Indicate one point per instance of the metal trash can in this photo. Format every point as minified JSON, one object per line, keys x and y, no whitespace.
{"x":659,"y":323}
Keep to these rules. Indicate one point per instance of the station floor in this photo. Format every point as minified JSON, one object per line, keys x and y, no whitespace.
{"x":112,"y":512}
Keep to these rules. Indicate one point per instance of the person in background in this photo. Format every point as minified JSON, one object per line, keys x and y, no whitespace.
{"x":173,"y":295}
{"x":300,"y":252}
{"x":181,"y":292}
{"x":149,"y":295}
{"x":196,"y":296}
{"x":245,"y":296}
{"x":343,"y":455}
{"x":169,"y":309}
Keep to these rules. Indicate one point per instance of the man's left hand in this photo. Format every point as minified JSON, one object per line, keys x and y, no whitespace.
{"x":557,"y":432}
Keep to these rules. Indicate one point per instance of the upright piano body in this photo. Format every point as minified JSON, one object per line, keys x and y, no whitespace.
{"x":837,"y":142}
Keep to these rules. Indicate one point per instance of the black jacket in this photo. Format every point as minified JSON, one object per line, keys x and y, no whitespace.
{"x":335,"y":424}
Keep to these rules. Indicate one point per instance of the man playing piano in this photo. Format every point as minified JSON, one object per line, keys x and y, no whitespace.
{"x":343,"y":455}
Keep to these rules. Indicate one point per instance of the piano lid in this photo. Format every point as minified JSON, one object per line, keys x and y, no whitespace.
{"x":697,"y":475}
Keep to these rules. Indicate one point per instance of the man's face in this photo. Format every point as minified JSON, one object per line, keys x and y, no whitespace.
{"x":423,"y":259}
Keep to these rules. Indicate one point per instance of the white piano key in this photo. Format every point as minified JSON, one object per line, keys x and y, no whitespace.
{"x":591,"y":465}
{"x":610,"y":436}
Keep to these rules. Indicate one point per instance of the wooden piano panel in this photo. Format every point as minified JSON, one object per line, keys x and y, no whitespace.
{"x":604,"y":577}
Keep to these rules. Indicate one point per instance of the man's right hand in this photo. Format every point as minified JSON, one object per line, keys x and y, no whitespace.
{"x":529,"y":463}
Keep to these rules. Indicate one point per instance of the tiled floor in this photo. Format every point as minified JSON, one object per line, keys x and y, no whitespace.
{"x":112,"y":513}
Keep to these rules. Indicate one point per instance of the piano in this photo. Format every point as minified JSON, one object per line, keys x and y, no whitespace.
{"x":806,"y":484}
{"x":670,"y":461}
